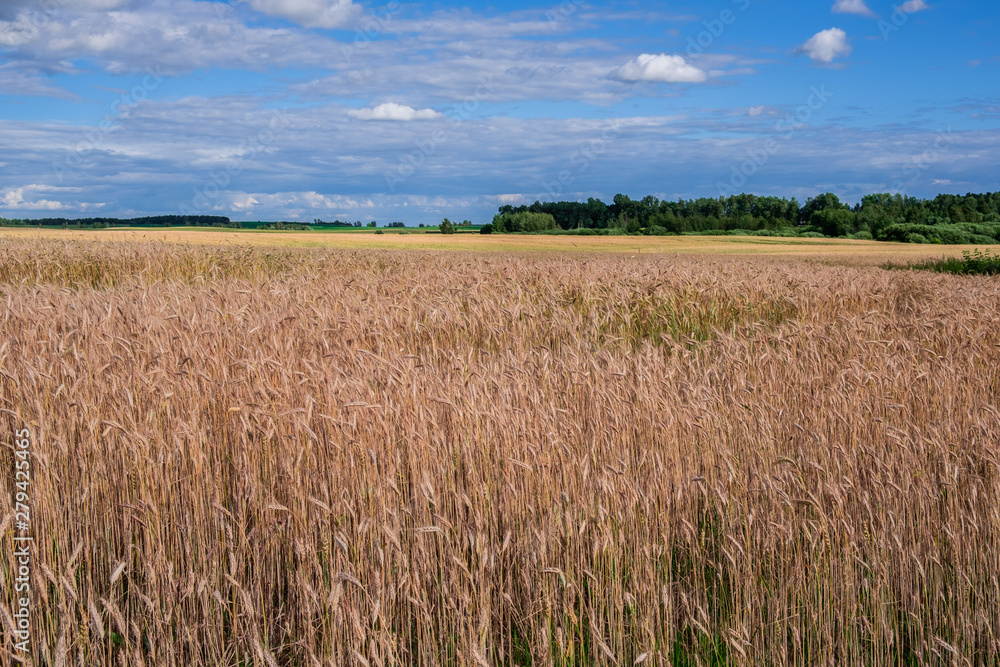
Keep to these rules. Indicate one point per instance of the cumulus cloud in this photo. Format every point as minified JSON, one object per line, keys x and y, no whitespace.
{"x":241,"y":201}
{"x":513,"y":198}
{"x":662,"y":68}
{"x":756,"y":111}
{"x":14,"y":199}
{"x":296,"y":204}
{"x":310,"y":13}
{"x":852,"y":7}
{"x":912,"y":6}
{"x":826,"y":45}
{"x":393,"y":111}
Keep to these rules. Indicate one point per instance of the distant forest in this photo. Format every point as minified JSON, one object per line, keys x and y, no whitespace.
{"x":973,"y":218}
{"x":104,"y":223}
{"x":178,"y":221}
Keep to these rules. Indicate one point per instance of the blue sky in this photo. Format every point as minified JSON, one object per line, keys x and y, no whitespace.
{"x":412,"y":111}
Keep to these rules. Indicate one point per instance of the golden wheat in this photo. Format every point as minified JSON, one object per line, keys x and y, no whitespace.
{"x":314,"y":457}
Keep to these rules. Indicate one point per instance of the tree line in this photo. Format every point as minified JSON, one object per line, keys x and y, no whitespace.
{"x":104,"y":223}
{"x":185,"y":221}
{"x":972,"y":218}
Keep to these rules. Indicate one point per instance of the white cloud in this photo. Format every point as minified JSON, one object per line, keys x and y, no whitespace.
{"x":243,"y":202}
{"x":445,"y":26}
{"x":913,"y":6}
{"x":826,"y":45}
{"x":176,"y":37}
{"x":852,"y":7}
{"x":327,"y":164}
{"x":294,"y":205}
{"x":310,"y":13}
{"x":172,"y":36}
{"x":663,"y":68}
{"x":16,"y":79}
{"x":93,"y":5}
{"x":756,"y":111}
{"x":515,"y":198}
{"x":14,"y":198}
{"x":393,"y":111}
{"x":17,"y":32}
{"x":12,"y":8}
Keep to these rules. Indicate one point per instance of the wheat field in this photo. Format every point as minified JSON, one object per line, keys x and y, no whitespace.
{"x":872,"y":253}
{"x":277,"y":456}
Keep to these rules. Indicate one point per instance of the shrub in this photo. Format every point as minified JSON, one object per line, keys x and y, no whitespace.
{"x":940,"y":233}
{"x":913,"y":237}
{"x":279,"y":226}
{"x":486,"y":229}
{"x":976,"y":262}
{"x":980,"y":261}
{"x":863,"y":235}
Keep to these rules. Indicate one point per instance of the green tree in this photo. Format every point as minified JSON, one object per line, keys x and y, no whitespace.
{"x":834,"y":221}
{"x":446,"y":227}
{"x":822,"y":202}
